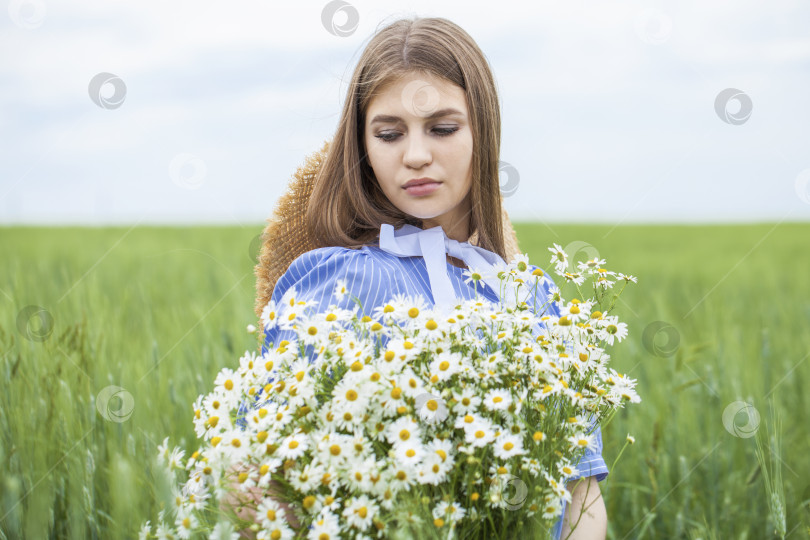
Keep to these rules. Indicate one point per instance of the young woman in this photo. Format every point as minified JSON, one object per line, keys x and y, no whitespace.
{"x":410,"y":179}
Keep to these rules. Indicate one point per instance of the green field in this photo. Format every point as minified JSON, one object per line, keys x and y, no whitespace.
{"x":159,"y":311}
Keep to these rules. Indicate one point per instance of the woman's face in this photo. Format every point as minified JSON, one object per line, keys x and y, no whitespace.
{"x":418,"y":127}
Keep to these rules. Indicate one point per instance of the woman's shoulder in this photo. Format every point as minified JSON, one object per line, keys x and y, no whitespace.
{"x":319,"y":255}
{"x":332,"y":255}
{"x":333,"y":262}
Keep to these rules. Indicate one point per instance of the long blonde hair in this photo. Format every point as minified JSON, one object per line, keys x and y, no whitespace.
{"x":347,"y":205}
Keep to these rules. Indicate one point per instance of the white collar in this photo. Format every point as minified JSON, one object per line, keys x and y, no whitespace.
{"x":433,"y":244}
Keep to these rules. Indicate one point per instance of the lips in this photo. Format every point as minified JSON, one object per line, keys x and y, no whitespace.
{"x":419,"y":182}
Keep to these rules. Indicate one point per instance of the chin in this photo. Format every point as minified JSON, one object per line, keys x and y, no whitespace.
{"x":424,"y":215}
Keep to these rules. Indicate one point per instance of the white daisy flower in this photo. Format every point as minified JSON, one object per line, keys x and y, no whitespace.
{"x":551,"y":509}
{"x":228,"y":382}
{"x":405,"y":349}
{"x":508,"y":445}
{"x":234,"y":444}
{"x":575,"y":421}
{"x":451,"y":511}
{"x":591,"y":266}
{"x":582,"y":440}
{"x":431,"y":408}
{"x":328,"y":501}
{"x":185,"y":522}
{"x":175,"y":460}
{"x":493,"y":360}
{"x":611,"y":329}
{"x":403,"y":430}
{"x":348,"y":420}
{"x":358,"y":446}
{"x":467,"y":420}
{"x":409,"y":452}
{"x":292,"y":309}
{"x":223,"y":531}
{"x":497,"y":399}
{"x":520,"y":263}
{"x":293,"y":446}
{"x":340,"y":290}
{"x":145,"y":531}
{"x":308,"y":478}
{"x":432,"y":470}
{"x":404,"y":310}
{"x":360,"y":511}
{"x":269,"y":316}
{"x":249,"y":361}
{"x":603,"y":282}
{"x":266,"y":470}
{"x":467,"y":401}
{"x":325,"y":527}
{"x":412,"y":384}
{"x":360,"y":474}
{"x":312,"y":330}
{"x":475,"y":276}
{"x":558,"y":488}
{"x":402,"y":477}
{"x":270,"y":513}
{"x":444,"y":449}
{"x":216,"y":404}
{"x":479,"y":434}
{"x":575,"y":277}
{"x":566,"y":469}
{"x":559,"y":258}
{"x":444,"y":365}
{"x":332,"y":447}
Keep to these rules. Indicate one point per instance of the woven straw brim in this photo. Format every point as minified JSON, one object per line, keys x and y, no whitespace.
{"x":286,"y":237}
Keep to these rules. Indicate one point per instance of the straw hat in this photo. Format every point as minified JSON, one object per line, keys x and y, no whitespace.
{"x":285,"y":237}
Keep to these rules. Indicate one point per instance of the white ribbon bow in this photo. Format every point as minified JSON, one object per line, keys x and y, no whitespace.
{"x":432,"y":244}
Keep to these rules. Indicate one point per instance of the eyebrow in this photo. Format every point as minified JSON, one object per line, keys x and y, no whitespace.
{"x":435,"y":114}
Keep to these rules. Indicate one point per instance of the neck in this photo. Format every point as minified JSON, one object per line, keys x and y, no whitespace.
{"x":457,"y":230}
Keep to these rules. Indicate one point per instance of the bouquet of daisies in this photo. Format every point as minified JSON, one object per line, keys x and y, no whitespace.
{"x":416,"y":423}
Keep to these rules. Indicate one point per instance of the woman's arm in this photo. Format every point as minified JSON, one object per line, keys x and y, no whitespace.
{"x":593,"y":520}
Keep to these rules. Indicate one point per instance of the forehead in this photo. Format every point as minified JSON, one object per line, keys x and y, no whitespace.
{"x":418,"y":96}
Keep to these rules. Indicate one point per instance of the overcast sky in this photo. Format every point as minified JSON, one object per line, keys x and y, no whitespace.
{"x":612,"y":112}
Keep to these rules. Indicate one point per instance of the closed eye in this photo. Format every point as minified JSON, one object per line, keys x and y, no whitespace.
{"x":391,"y":136}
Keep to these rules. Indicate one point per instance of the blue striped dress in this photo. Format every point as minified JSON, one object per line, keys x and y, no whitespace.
{"x":374,"y":276}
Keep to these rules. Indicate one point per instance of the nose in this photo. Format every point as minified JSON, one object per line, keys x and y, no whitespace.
{"x":417,"y":152}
